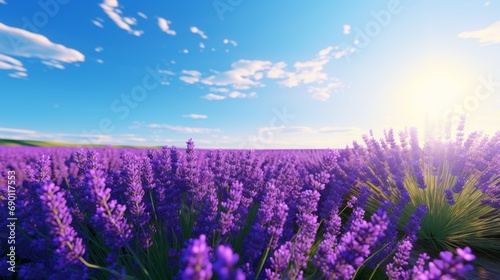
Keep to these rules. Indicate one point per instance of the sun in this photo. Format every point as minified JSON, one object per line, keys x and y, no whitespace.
{"x":435,"y":90}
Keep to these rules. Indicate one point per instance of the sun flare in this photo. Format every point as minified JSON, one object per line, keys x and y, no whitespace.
{"x":434,"y":90}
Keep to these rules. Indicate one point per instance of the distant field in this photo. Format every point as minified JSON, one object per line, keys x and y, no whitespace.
{"x":33,"y":143}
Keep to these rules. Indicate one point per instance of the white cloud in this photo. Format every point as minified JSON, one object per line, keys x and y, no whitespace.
{"x":486,"y":36}
{"x":238,"y":94}
{"x":324,"y":52}
{"x":212,"y":96}
{"x":110,"y":7}
{"x":142,"y":15}
{"x":9,"y":63}
{"x":18,"y":42}
{"x":322,"y":93}
{"x":347,"y":29}
{"x":130,"y":20}
{"x":167,"y":72}
{"x":216,"y":89}
{"x":277,"y":71}
{"x":344,"y":52}
{"x":53,"y":64}
{"x":18,"y":75}
{"x":202,"y":46}
{"x":309,"y":130}
{"x":17,"y":130}
{"x":100,"y":61}
{"x":99,"y":49}
{"x":185,"y":51}
{"x":164,"y":26}
{"x":487,"y":3}
{"x":311,"y":71}
{"x":244,"y":74}
{"x":232,"y":42}
{"x":97,"y":23}
{"x":195,"y":116}
{"x":182,"y":129}
{"x":191,"y":76}
{"x":305,"y":73}
{"x":195,"y":30}
{"x":3,"y":2}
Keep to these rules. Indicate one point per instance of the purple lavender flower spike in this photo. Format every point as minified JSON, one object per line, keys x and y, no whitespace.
{"x":134,"y":191}
{"x":413,"y":226}
{"x":109,"y":217}
{"x":396,"y":269}
{"x":195,"y":262}
{"x":229,"y":207}
{"x":69,"y":247}
{"x":224,"y":264}
{"x":448,"y":266}
{"x":449,"y":196}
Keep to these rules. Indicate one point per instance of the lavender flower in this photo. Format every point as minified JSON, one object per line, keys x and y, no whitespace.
{"x":229,"y":207}
{"x":69,"y":247}
{"x":268,"y":228}
{"x":279,"y":261}
{"x":355,"y":245}
{"x":413,"y":226}
{"x":448,"y":266}
{"x":208,"y":204}
{"x":134,"y":190}
{"x":449,"y":196}
{"x":396,"y":269}
{"x":109,"y":217}
{"x":195,"y":262}
{"x":224,"y":264}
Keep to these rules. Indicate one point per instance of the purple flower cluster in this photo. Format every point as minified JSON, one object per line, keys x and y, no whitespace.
{"x":197,"y":214}
{"x":196,"y":261}
{"x":109,"y":216}
{"x":69,"y":247}
{"x":447,"y":266}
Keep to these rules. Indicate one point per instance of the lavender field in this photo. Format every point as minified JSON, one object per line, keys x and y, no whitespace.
{"x":389,"y":208}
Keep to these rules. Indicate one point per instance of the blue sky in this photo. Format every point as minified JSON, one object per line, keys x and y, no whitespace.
{"x":244,"y":74}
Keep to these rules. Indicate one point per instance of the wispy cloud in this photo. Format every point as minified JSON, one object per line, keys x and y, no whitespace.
{"x":19,"y":42}
{"x":311,"y":72}
{"x":99,"y":49}
{"x":277,"y":71}
{"x":53,"y":64}
{"x":232,"y":42}
{"x":142,"y":15}
{"x":9,"y":63}
{"x":486,"y":36}
{"x":164,"y":26}
{"x":190,"y":76}
{"x":219,"y":89}
{"x":195,"y":116}
{"x":323,"y":92}
{"x":110,"y":7}
{"x":17,"y":130}
{"x":98,"y":22}
{"x":239,"y":94}
{"x":347,"y":29}
{"x":212,"y":96}
{"x":182,"y":129}
{"x":310,"y":130}
{"x":3,"y":2}
{"x":244,"y":74}
{"x":196,"y":30}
